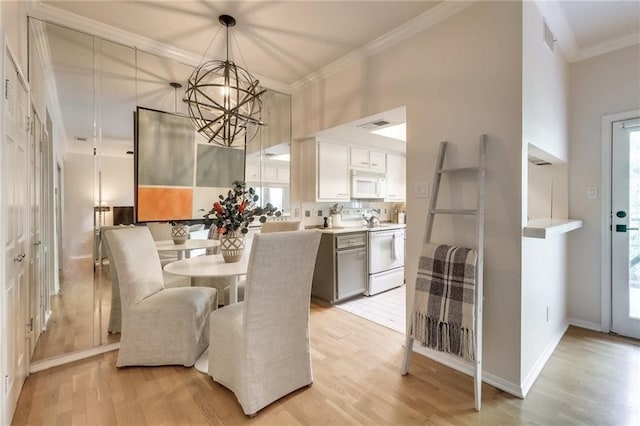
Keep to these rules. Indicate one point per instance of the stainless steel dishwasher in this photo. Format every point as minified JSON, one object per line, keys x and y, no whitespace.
{"x":341,"y":266}
{"x":351,"y":265}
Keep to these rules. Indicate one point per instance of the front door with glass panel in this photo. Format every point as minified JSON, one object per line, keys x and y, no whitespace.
{"x":625,"y":229}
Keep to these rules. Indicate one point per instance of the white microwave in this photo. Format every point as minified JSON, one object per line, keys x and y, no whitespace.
{"x":367,"y":184}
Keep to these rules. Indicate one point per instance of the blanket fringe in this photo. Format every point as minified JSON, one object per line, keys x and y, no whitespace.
{"x":443,"y":337}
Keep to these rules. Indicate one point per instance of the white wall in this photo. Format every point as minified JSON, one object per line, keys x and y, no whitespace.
{"x":600,"y":86}
{"x":117,"y":190}
{"x":545,"y":92}
{"x":117,"y":180}
{"x":458,"y":79}
{"x":77,"y":240}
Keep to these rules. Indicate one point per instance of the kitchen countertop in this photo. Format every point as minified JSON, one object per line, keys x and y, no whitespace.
{"x":345,"y":230}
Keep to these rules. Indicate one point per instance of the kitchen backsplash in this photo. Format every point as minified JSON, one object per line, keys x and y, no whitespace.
{"x":313,"y":214}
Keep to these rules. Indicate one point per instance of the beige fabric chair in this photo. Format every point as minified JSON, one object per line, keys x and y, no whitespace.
{"x":260,"y":347}
{"x":266,"y":228}
{"x":161,"y":231}
{"x":115,"y":312}
{"x":160,"y":326}
{"x":280,"y":226}
{"x":219,"y":283}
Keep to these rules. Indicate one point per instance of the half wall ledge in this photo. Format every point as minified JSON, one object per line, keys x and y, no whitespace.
{"x":549,"y":227}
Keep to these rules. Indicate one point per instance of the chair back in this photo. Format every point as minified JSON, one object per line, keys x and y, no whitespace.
{"x":280,"y":226}
{"x":160,"y":231}
{"x":278,"y":291}
{"x":115,"y":314}
{"x":136,"y":263}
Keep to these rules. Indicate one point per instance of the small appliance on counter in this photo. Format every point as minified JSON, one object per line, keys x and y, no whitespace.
{"x":399,"y":213}
{"x":336,"y":215}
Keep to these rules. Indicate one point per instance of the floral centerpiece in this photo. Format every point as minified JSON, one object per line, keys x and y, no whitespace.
{"x":231,"y":216}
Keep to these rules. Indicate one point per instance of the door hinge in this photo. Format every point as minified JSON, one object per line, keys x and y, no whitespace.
{"x":94,"y":151}
{"x":6,"y":385}
{"x":30,"y":324}
{"x":6,"y":89}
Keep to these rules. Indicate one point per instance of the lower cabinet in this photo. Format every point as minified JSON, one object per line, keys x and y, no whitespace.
{"x":341,"y":267}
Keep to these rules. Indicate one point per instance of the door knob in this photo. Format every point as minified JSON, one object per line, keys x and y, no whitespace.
{"x":621,"y":214}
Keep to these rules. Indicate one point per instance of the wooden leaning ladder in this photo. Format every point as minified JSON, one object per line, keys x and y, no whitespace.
{"x":479,"y":213}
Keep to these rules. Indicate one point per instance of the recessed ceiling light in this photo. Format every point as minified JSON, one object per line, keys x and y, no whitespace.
{"x":399,"y":131}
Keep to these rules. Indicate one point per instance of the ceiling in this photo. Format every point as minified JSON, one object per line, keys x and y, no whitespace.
{"x":284,"y":43}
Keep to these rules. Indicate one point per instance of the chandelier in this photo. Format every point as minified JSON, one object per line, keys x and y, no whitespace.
{"x":223,"y":99}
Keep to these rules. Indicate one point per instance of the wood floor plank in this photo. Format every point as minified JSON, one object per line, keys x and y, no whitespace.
{"x":591,"y":379}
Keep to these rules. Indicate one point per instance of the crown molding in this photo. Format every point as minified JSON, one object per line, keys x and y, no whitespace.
{"x":76,"y":22}
{"x":609,"y":46}
{"x":557,"y":21}
{"x":42,"y":47}
{"x":418,"y":24}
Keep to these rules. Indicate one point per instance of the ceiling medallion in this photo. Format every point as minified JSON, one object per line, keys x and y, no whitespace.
{"x":223,"y":99}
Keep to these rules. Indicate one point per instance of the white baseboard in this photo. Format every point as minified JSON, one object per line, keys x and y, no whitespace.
{"x":67,"y":358}
{"x":461,"y":366}
{"x":528,"y":382}
{"x":82,"y":256}
{"x":589,"y":325}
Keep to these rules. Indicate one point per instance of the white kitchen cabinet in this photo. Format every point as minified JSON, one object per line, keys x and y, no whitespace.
{"x":363,"y":158}
{"x":333,"y":172}
{"x":396,"y":178}
{"x":324,"y":168}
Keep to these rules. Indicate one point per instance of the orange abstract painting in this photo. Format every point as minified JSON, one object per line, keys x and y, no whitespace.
{"x":164,"y":203}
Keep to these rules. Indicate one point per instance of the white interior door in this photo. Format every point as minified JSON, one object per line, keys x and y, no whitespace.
{"x":625,"y":229}
{"x":36,"y":264}
{"x":16,"y":236}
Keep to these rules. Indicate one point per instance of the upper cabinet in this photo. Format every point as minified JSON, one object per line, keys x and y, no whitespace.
{"x":325,"y":171}
{"x":396,"y":178}
{"x":363,"y":158}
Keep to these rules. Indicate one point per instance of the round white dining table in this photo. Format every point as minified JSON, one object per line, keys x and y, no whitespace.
{"x":169,"y":245}
{"x":212,"y":266}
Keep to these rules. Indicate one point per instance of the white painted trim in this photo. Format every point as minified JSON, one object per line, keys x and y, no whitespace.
{"x":589,"y":325}
{"x":605,"y":203}
{"x":609,"y":46}
{"x":557,"y":20}
{"x":465,"y":368}
{"x":117,"y":35}
{"x":42,"y":47}
{"x":74,"y":356}
{"x":528,"y":382}
{"x":420,"y":23}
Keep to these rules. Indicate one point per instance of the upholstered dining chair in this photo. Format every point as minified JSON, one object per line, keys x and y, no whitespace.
{"x":260,"y":347}
{"x":267,"y":227}
{"x":219,"y":283}
{"x":161,"y":231}
{"x":280,"y":226}
{"x":115,"y":310}
{"x":160,"y":326}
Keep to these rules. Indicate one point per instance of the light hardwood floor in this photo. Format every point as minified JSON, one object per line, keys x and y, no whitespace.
{"x":591,"y":379}
{"x":73,"y":323}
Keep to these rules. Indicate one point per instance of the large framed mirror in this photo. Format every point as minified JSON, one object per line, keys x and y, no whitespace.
{"x":99,"y":85}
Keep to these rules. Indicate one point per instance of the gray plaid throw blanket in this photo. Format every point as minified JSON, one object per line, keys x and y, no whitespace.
{"x":443,"y":315}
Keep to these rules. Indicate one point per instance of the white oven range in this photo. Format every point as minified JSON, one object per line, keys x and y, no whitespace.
{"x":386,"y":259}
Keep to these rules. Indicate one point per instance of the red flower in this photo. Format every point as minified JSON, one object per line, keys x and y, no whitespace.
{"x":217,"y":207}
{"x":242,"y":206}
{"x":222,"y":230}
